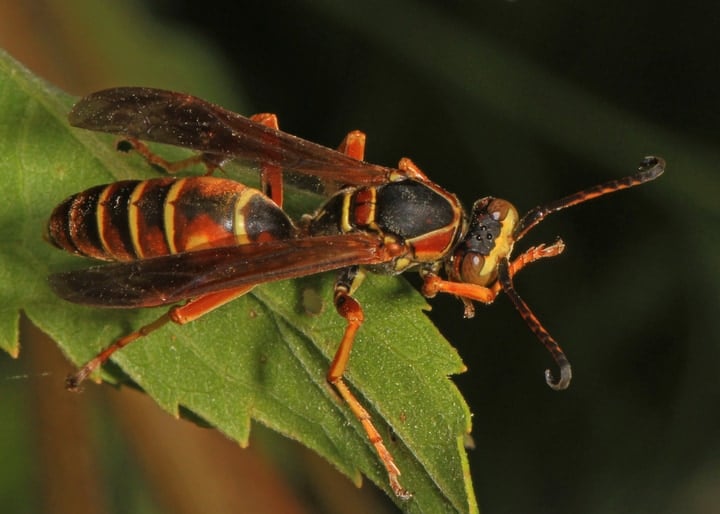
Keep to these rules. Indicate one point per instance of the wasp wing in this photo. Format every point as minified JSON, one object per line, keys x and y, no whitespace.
{"x":170,"y":279}
{"x":183,"y":120}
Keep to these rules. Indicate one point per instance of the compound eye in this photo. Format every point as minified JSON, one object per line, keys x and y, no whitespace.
{"x":498,"y":209}
{"x":475,"y":269}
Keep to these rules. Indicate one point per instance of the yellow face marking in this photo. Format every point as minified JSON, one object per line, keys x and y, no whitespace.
{"x":504,"y":243}
{"x":503,"y":247}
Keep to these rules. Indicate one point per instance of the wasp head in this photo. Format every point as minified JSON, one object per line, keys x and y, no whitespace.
{"x":489,"y":238}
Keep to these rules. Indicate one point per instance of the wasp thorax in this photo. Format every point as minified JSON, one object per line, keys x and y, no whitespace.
{"x":488,"y":239}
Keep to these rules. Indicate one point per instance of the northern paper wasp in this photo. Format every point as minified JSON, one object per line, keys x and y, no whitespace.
{"x":208,"y":240}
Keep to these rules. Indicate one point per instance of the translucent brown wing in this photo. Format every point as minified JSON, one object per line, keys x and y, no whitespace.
{"x":183,"y":120}
{"x":170,"y":279}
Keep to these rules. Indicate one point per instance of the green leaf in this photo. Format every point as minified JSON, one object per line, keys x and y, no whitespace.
{"x":261,"y":357}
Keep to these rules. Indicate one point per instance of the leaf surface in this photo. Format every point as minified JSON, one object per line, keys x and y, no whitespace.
{"x":262,"y":357}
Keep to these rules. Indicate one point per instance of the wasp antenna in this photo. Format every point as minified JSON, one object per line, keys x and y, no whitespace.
{"x":565,"y":373}
{"x":540,"y":332}
{"x":651,"y":167}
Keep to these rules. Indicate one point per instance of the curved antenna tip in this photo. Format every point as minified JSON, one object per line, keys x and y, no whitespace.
{"x":565,"y":377}
{"x":651,"y":167}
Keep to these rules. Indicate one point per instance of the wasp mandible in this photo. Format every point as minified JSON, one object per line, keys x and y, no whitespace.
{"x":206,"y":240}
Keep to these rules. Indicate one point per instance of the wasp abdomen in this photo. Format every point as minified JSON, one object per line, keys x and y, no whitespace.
{"x":135,"y":219}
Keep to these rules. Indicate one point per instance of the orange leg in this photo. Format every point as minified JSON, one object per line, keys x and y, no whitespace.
{"x":271,"y":176}
{"x":350,"y":309}
{"x":506,"y":271}
{"x":271,"y":183}
{"x":181,"y":314}
{"x":353,"y":145}
{"x":411,"y":170}
{"x":211,"y":161}
{"x":433,"y":284}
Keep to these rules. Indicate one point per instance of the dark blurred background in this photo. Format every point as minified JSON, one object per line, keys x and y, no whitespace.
{"x":522,"y":100}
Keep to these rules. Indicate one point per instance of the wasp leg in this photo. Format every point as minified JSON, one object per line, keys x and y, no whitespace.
{"x":211,"y":161}
{"x":179,"y":314}
{"x":271,"y":179}
{"x":350,"y":309}
{"x":506,"y":271}
{"x":433,"y":284}
{"x":353,"y":145}
{"x":410,"y":170}
{"x":532,"y":254}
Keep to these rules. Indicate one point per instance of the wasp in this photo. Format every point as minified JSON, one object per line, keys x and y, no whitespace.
{"x":206,"y":240}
